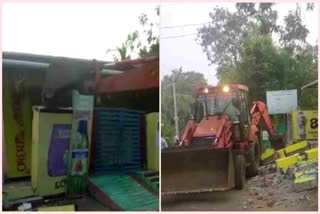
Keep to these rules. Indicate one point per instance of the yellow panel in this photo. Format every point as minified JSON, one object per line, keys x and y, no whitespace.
{"x":58,"y":208}
{"x":268,"y":153}
{"x":284,"y":163}
{"x":296,"y":146}
{"x":312,"y":154}
{"x":42,"y":183}
{"x":304,"y":125}
{"x":152,"y":141}
{"x":281,"y":153}
{"x":306,"y":172}
{"x":17,"y":134}
{"x":35,"y":150}
{"x":302,"y":180}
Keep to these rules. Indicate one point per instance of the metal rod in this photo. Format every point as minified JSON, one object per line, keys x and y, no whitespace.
{"x":176,"y":119}
{"x":110,"y":72}
{"x":28,"y":64}
{"x":108,"y":65}
{"x":40,"y":65}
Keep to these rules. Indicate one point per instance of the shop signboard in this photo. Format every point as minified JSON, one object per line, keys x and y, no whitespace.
{"x":305,"y":125}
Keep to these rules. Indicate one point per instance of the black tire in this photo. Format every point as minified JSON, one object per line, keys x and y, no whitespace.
{"x":253,"y":157}
{"x":240,"y":171}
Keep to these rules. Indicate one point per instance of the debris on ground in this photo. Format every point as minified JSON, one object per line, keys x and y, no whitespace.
{"x":296,"y":162}
{"x":250,"y":202}
{"x":287,"y":176}
{"x":16,"y":202}
{"x":304,"y":150}
{"x":305,"y":183}
{"x":286,"y":183}
{"x":25,"y":207}
{"x":271,"y":202}
{"x":245,"y":206}
{"x":263,"y":170}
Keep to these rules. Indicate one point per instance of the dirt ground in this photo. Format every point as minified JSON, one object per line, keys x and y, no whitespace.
{"x":261,"y":193}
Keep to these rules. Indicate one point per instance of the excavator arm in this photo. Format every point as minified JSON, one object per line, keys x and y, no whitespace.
{"x":257,"y":112}
{"x":186,"y":136}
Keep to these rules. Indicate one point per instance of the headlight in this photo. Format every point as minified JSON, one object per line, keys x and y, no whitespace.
{"x":206,"y":90}
{"x":226,"y":88}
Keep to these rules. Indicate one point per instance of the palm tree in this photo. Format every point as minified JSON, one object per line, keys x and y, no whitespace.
{"x":122,"y":52}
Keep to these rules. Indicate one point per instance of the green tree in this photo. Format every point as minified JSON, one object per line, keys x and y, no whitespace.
{"x":123,"y":52}
{"x":134,"y":42}
{"x":243,"y":46}
{"x":223,"y":38}
{"x":186,"y":83}
{"x":294,"y":33}
{"x":152,"y":47}
{"x":264,"y":66}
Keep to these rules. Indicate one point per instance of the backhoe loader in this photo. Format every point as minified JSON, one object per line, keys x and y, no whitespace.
{"x":221,"y":144}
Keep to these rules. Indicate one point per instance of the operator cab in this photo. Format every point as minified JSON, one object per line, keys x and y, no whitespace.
{"x":228,"y":100}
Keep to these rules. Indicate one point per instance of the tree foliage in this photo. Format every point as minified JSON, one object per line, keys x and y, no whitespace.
{"x":152,"y":47}
{"x":244,"y":46}
{"x":123,"y":52}
{"x":134,"y":40}
{"x":294,"y":33}
{"x":185,"y":83}
{"x":222,"y":39}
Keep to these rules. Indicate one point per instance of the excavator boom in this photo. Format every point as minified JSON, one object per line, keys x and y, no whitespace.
{"x":259,"y":112}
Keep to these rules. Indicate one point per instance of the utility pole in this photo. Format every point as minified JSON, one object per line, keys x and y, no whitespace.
{"x":175,"y":109}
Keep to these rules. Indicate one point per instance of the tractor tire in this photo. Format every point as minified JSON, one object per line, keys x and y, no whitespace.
{"x":253,"y":157}
{"x":240,"y":171}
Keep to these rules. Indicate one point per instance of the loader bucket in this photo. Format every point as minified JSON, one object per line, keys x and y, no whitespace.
{"x":185,"y":170}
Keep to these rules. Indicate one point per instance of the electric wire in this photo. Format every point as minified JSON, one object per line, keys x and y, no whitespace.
{"x":186,"y":25}
{"x":184,"y":35}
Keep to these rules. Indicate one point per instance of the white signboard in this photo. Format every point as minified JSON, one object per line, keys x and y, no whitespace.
{"x":282,"y":102}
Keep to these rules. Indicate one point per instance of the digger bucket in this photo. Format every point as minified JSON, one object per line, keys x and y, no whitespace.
{"x":185,"y":170}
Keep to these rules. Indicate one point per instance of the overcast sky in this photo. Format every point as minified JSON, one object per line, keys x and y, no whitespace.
{"x":185,"y":52}
{"x":85,"y":30}
{"x":79,"y":30}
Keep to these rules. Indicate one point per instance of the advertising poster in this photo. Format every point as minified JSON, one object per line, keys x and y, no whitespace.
{"x":79,"y":145}
{"x":305,"y":125}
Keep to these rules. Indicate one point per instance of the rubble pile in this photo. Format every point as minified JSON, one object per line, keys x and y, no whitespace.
{"x":273,"y":187}
{"x":263,"y":170}
{"x":305,"y":175}
{"x":297,"y":162}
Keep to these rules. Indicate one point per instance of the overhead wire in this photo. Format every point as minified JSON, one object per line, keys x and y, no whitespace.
{"x":184,"y":35}
{"x":180,"y":26}
{"x":186,"y":25}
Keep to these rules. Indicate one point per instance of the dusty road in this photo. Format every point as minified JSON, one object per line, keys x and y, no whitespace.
{"x":277,"y":196}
